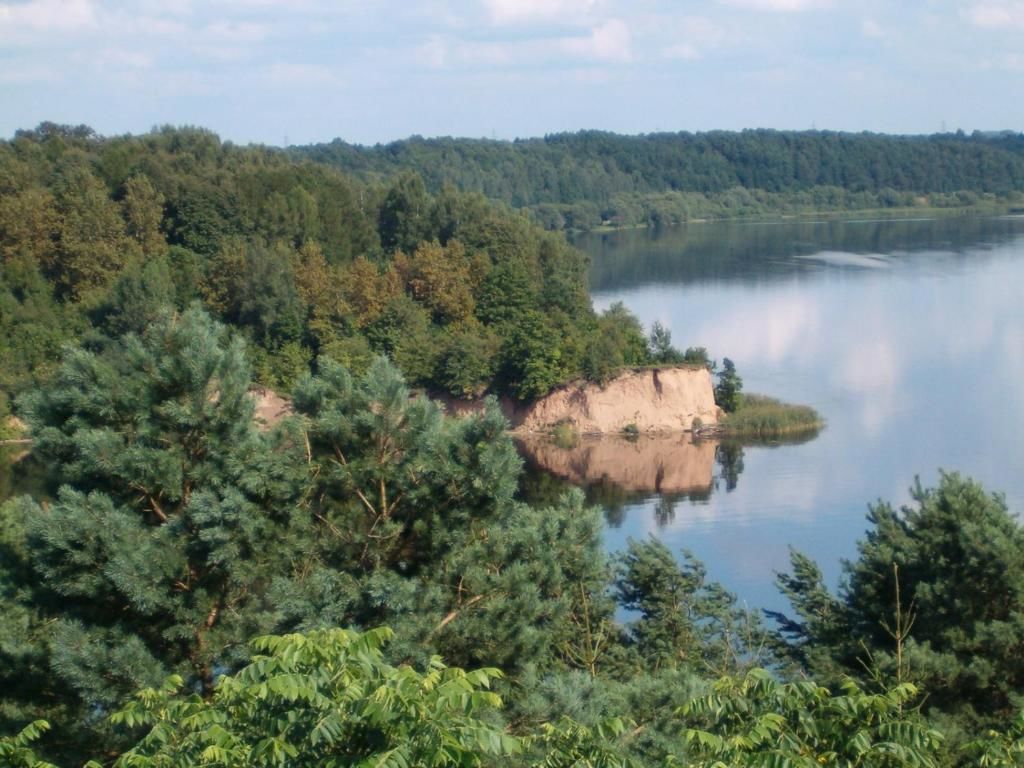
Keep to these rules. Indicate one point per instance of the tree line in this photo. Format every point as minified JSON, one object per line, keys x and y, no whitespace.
{"x":579,"y":180}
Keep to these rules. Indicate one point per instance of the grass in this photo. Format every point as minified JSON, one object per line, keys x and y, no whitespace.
{"x":760,"y":416}
{"x":565,"y":436}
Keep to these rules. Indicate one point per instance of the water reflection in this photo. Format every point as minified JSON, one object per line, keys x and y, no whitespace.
{"x":908,"y":338}
{"x":755,"y":252}
{"x":620,"y":472}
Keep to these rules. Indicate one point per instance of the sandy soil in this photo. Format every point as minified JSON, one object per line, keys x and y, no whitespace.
{"x":270,"y":407}
{"x":652,"y":400}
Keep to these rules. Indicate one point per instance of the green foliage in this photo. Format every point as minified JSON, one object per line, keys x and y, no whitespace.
{"x":16,"y":751}
{"x":757,"y":721}
{"x":567,"y":744}
{"x":565,"y":436}
{"x":1000,"y":749}
{"x":585,"y":179}
{"x":302,"y":258}
{"x":698,"y":356}
{"x":404,"y":214}
{"x":467,"y":361}
{"x":325,"y":698}
{"x":660,"y":346}
{"x":416,"y":526}
{"x":531,"y":358}
{"x":171,"y":510}
{"x":684,"y":622}
{"x":954,"y":549}
{"x":729,"y":387}
{"x":618,"y":341}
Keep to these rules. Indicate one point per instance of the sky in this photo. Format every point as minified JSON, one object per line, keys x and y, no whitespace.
{"x":306,"y":71}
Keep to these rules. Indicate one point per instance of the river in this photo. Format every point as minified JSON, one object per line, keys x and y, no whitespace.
{"x":906,"y":335}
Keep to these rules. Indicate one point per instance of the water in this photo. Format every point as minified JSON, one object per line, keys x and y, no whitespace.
{"x":907,"y":336}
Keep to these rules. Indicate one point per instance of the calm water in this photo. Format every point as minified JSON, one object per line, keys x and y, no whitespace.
{"x":907,"y":336}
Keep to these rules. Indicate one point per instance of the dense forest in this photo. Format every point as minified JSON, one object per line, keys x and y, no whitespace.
{"x":362,"y":583}
{"x":466,"y":297}
{"x":580,"y":180}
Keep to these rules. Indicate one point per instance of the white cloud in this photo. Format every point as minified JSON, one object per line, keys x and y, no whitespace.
{"x":530,"y":11}
{"x":610,"y":41}
{"x":777,"y":6}
{"x":433,"y":53}
{"x":684,"y":51}
{"x":996,"y":15}
{"x":243,"y":32}
{"x":694,"y":36}
{"x":871,"y":28}
{"x":872,"y":371}
{"x":47,"y":16}
{"x":301,"y":75}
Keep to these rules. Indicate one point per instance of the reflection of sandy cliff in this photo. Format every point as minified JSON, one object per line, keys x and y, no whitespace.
{"x":661,"y":463}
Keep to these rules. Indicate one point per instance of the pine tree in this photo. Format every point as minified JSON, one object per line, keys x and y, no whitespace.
{"x":172,"y":511}
{"x":417,"y":527}
{"x":936,"y":596}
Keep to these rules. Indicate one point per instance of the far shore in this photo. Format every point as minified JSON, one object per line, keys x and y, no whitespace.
{"x":911,"y":212}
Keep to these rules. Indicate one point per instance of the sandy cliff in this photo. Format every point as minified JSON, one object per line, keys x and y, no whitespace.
{"x":655,"y":400}
{"x":652,"y":400}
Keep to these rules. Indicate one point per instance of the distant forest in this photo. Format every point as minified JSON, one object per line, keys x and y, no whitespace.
{"x":580,"y":180}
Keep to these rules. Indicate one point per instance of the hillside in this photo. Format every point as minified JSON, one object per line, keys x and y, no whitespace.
{"x":581,"y":179}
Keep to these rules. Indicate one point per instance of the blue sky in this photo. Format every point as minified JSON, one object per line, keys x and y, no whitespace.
{"x":312,"y":70}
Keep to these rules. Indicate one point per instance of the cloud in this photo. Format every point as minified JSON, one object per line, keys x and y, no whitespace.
{"x":610,"y":41}
{"x":47,"y":16}
{"x":777,"y":6}
{"x":532,"y":11}
{"x":872,"y":371}
{"x":871,"y":28}
{"x":684,"y":51}
{"x":694,"y":36}
{"x":996,"y":15}
{"x":301,"y":75}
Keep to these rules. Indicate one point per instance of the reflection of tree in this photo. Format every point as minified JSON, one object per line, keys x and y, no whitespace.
{"x":667,"y":504}
{"x":746,"y":250}
{"x":539,"y":487}
{"x":729,"y":456}
{"x":665,"y":510}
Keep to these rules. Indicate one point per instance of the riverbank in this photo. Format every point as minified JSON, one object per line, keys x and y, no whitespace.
{"x":827,"y":214}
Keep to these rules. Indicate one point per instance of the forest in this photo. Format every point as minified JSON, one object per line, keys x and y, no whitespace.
{"x":589,"y":178}
{"x":465,"y":296}
{"x":361,"y":583}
